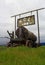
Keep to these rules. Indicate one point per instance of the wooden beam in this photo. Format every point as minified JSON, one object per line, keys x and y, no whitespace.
{"x":27,"y":12}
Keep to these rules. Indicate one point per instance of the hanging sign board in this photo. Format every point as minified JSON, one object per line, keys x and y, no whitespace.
{"x":25,"y":21}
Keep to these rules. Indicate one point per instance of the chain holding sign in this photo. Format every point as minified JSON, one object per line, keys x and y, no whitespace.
{"x":25,"y":21}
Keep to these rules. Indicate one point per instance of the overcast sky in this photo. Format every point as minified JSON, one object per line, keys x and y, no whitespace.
{"x":12,"y":7}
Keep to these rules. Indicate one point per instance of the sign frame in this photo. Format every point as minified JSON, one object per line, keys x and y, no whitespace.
{"x":25,"y":21}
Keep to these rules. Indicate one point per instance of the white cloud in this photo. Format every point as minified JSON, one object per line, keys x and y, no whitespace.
{"x":9,"y":1}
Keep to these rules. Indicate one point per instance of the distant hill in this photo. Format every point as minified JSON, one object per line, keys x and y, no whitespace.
{"x":43,"y":43}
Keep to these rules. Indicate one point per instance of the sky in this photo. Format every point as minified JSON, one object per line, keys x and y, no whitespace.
{"x":12,"y":7}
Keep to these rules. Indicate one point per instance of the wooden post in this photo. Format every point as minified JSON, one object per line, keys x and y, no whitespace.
{"x":15,"y":27}
{"x":38,"y":28}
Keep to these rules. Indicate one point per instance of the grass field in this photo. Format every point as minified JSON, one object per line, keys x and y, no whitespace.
{"x":22,"y":56}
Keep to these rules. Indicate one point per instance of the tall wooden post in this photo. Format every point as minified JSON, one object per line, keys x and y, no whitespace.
{"x":15,"y":27}
{"x":38,"y":27}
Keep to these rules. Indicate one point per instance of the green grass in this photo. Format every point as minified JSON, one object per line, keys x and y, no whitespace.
{"x":22,"y":55}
